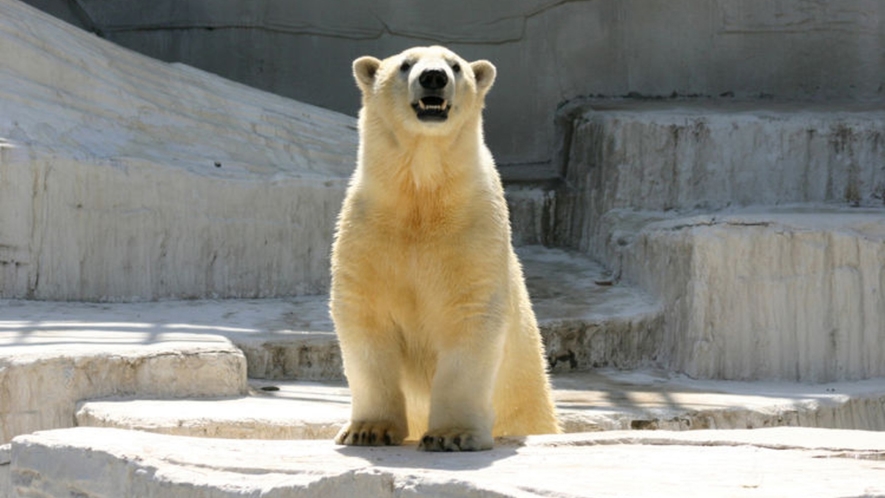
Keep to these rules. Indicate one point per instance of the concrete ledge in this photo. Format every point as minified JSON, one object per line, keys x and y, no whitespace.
{"x":51,"y":358}
{"x":586,"y":402}
{"x":585,"y":323}
{"x":768,"y":462}
{"x":57,"y":354}
{"x":288,"y":410}
{"x":42,"y":394}
{"x":532,"y":213}
{"x":702,"y":155}
{"x":679,"y":155}
{"x":793,"y":293}
{"x":671,"y":195}
{"x":586,"y":319}
{"x":619,"y":400}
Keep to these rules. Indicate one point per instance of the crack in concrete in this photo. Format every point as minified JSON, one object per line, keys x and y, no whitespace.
{"x":714,"y":222}
{"x":678,"y":441}
{"x":857,"y":455}
{"x":482,"y":36}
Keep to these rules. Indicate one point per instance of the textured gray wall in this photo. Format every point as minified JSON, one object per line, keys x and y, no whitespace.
{"x":546,"y":52}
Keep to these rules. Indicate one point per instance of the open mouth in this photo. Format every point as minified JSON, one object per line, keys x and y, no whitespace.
{"x":432,"y":108}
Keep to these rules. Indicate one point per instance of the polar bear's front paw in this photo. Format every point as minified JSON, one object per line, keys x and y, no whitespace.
{"x":370,"y":434}
{"x":456,"y":440}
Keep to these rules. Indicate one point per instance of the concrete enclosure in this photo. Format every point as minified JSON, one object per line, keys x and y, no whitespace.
{"x":546,"y":51}
{"x":694,"y":263}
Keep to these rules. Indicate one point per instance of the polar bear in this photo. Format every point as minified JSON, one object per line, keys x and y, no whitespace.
{"x":428,"y":299}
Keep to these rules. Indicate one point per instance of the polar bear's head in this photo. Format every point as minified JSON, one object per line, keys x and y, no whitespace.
{"x":427,"y":90}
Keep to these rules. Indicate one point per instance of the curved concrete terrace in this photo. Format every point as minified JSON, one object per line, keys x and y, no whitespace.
{"x":767,"y":462}
{"x":125,"y":179}
{"x":51,"y":351}
{"x":759,"y":226}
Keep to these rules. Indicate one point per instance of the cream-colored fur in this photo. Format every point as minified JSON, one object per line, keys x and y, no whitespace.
{"x":438,"y":336}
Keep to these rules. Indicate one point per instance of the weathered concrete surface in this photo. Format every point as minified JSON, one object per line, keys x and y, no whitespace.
{"x":794,"y":294}
{"x":709,"y":155}
{"x":282,"y":410}
{"x":281,"y":339}
{"x":532,"y":212}
{"x":765,"y":462}
{"x":585,"y":323}
{"x":644,"y":399}
{"x":48,"y":364}
{"x":125,"y":178}
{"x":760,"y":229}
{"x":546,"y":51}
{"x":58,"y":353}
{"x":586,"y":402}
{"x":586,"y":320}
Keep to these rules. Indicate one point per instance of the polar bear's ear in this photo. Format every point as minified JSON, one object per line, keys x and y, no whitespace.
{"x":484,"y":72}
{"x":364,"y":70}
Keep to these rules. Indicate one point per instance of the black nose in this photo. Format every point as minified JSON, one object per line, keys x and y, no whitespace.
{"x":433,"y":79}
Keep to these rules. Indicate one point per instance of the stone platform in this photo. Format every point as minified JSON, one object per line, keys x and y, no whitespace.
{"x":759,"y":226}
{"x":600,"y":400}
{"x":180,"y":368}
{"x":200,"y":388}
{"x":786,"y":292}
{"x":54,"y":353}
{"x":767,"y":462}
{"x":745,"y":243}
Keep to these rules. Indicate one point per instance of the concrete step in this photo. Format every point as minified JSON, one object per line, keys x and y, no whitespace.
{"x":679,"y":155}
{"x":586,"y":402}
{"x":758,"y":226}
{"x":53,"y":355}
{"x":57,"y":353}
{"x":532,"y":213}
{"x":766,"y":462}
{"x":792,"y":292}
{"x":586,"y":319}
{"x":271,"y":410}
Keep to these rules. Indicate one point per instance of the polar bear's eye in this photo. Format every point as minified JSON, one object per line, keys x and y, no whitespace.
{"x":405,"y":66}
{"x":456,"y":67}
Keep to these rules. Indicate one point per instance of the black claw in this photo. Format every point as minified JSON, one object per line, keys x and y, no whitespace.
{"x":427,"y":441}
{"x":457,"y":441}
{"x":372,"y":438}
{"x":441,"y":441}
{"x":387,"y":440}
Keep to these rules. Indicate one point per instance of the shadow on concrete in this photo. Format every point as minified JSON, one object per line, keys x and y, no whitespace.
{"x":35,"y":323}
{"x":408,"y":456}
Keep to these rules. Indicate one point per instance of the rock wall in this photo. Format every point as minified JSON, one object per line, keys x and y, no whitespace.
{"x":547,"y":51}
